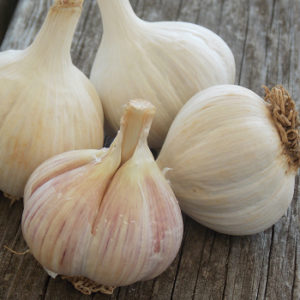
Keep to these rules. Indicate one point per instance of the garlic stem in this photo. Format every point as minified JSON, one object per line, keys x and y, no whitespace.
{"x":135,"y":125}
{"x":54,"y":40}
{"x":117,"y":15}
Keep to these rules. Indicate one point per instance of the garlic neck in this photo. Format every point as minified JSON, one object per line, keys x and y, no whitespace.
{"x":53,"y":42}
{"x":118,"y":17}
{"x":135,"y":126}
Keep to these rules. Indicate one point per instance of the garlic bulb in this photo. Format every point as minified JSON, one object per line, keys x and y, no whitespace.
{"x":233,"y":158}
{"x":47,"y":105}
{"x":106,"y":215}
{"x":164,"y":62}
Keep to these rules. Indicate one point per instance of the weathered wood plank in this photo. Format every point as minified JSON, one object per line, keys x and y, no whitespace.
{"x":266,"y":60}
{"x":6,"y":10}
{"x":265,"y":39}
{"x":19,"y":275}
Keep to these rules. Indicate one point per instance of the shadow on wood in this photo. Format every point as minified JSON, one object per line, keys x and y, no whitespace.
{"x":7,"y":8}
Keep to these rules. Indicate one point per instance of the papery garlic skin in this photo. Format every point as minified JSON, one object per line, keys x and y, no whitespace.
{"x":47,"y":105}
{"x":149,"y":220}
{"x":59,"y":214}
{"x":164,"y":62}
{"x":228,"y":166}
{"x":108,"y":215}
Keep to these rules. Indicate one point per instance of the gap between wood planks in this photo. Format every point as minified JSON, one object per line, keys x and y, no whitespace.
{"x":7,"y":8}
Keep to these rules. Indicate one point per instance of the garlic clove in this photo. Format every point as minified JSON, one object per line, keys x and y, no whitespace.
{"x":61,"y":164}
{"x":68,"y":222}
{"x":106,"y":215}
{"x":47,"y":105}
{"x":140,"y":209}
{"x":230,"y":168}
{"x":165,"y":62}
{"x":75,"y":175}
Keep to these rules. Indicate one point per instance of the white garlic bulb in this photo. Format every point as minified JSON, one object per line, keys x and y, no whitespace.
{"x":107,"y":216}
{"x":164,"y":62}
{"x":233,"y":158}
{"x":47,"y":105}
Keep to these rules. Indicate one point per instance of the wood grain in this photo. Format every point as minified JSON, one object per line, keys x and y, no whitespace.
{"x":265,"y":39}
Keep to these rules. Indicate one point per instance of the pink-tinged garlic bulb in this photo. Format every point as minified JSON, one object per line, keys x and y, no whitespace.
{"x":47,"y":105}
{"x":107,"y":216}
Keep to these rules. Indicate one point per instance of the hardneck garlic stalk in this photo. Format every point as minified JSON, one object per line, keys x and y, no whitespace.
{"x":164,"y":62}
{"x":47,"y":105}
{"x":104,"y":217}
{"x":233,"y":157}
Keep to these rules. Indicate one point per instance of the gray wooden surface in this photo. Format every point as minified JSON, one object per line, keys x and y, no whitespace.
{"x":265,"y":39}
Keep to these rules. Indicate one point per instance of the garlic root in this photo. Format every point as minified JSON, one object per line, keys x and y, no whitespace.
{"x":285,"y":117}
{"x":12,"y":199}
{"x":15,"y":252}
{"x":87,"y":286}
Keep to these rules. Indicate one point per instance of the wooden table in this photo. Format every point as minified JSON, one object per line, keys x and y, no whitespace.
{"x":265,"y":38}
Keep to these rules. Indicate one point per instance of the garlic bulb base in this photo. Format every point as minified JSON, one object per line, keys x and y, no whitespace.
{"x":285,"y":117}
{"x":87,"y":286}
